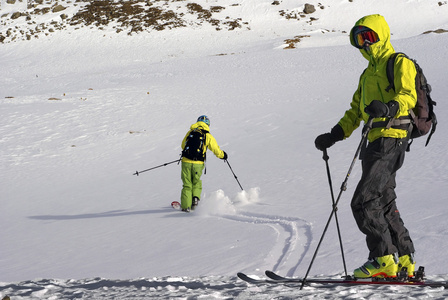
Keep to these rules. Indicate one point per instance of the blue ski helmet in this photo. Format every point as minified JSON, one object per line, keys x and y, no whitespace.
{"x":204,"y":119}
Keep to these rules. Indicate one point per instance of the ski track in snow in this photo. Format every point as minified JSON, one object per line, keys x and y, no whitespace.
{"x":296,"y":236}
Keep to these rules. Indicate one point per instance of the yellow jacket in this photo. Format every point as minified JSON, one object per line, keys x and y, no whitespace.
{"x":373,"y":83}
{"x":210,"y":143}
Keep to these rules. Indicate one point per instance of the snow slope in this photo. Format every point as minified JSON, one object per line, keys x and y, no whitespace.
{"x":83,"y":109}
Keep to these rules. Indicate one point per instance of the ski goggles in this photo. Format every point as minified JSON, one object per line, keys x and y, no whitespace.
{"x":364,"y":36}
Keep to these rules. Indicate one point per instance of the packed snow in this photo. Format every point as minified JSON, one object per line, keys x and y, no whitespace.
{"x":83,"y":108}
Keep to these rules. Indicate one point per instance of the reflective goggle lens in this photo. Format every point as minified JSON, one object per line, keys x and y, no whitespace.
{"x":369,"y":37}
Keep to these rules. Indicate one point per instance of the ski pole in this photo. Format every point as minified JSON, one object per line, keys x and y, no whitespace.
{"x":165,"y":164}
{"x":326,"y":158}
{"x":366,"y":131}
{"x":234,"y":175}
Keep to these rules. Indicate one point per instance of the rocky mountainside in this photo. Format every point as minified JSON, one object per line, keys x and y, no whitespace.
{"x":35,"y":18}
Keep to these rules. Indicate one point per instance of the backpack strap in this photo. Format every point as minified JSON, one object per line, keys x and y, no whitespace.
{"x":390,"y":70}
{"x":432,"y":115}
{"x":402,"y":122}
{"x":204,"y":134}
{"x":204,"y":149}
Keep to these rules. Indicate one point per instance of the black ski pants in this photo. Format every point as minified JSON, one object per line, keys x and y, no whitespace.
{"x":373,"y":204}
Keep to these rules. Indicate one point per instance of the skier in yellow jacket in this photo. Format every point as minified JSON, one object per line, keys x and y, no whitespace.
{"x":193,"y":159}
{"x":373,"y":203}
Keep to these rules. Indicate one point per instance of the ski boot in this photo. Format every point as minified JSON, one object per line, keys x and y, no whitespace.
{"x":408,"y":262}
{"x":194,"y":203}
{"x":379,"y":267}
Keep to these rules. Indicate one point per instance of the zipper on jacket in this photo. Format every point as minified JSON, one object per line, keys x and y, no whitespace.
{"x":363,"y":86}
{"x":381,"y":91}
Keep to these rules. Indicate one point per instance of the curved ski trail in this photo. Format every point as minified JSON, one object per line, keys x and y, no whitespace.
{"x":293,"y":242}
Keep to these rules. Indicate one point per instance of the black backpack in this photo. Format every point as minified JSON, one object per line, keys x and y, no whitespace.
{"x":194,"y":145}
{"x":423,"y":118}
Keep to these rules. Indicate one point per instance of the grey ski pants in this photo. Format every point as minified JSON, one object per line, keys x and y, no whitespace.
{"x":373,"y":203}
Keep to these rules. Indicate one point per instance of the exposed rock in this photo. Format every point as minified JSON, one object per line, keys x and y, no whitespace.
{"x":309,"y":8}
{"x":291,"y":43}
{"x":16,"y":15}
{"x":58,"y":8}
{"x":436,"y":31}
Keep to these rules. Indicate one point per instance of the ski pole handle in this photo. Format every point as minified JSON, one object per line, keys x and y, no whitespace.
{"x":325,"y":155}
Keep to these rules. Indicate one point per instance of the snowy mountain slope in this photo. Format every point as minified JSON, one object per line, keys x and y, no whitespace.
{"x":28,"y":20}
{"x":83,"y":109}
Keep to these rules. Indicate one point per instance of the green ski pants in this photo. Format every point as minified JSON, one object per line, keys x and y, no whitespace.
{"x":192,"y":183}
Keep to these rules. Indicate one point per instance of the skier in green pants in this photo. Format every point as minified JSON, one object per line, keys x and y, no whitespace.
{"x":194,"y":147}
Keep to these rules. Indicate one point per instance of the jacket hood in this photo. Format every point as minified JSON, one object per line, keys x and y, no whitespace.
{"x":381,"y":49}
{"x":200,"y":125}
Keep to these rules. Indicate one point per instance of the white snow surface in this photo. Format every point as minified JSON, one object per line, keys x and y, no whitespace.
{"x":82,"y":110}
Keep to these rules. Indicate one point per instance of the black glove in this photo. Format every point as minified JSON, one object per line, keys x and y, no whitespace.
{"x":225,"y":156}
{"x":327,"y":140}
{"x":378,"y":109}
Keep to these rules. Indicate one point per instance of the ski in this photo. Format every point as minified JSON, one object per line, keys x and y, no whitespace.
{"x":252,"y":280}
{"x":175,"y":205}
{"x":356,"y":281}
{"x":274,"y":278}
